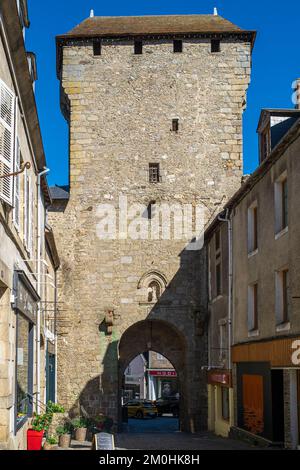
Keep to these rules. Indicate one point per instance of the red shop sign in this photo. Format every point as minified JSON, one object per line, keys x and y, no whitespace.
{"x":163,"y":373}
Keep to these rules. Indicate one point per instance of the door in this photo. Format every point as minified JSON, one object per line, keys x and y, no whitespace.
{"x":50,"y":374}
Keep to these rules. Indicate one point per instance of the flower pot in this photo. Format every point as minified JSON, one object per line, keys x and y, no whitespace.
{"x":65,"y":441}
{"x":34,"y":439}
{"x":48,"y":446}
{"x":80,"y":434}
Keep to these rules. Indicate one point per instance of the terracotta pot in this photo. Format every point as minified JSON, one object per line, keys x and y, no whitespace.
{"x":80,"y":434}
{"x":65,"y":441}
{"x":48,"y":446}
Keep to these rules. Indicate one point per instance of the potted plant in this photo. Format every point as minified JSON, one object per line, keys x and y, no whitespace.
{"x":51,"y":442}
{"x":80,"y":425}
{"x":39,"y":425}
{"x":102,"y":423}
{"x":54,"y":408}
{"x":64,"y":434}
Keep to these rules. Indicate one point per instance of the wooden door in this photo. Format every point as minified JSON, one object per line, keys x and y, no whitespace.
{"x":253,"y":403}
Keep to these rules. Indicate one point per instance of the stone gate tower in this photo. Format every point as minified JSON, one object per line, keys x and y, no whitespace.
{"x":154,"y":106}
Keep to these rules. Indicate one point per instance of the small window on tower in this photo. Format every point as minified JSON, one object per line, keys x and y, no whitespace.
{"x":151,"y":210}
{"x":97,"y":47}
{"x":177,"y":44}
{"x":215,"y":45}
{"x":138,"y":47}
{"x":175,"y":125}
{"x":154,"y":176}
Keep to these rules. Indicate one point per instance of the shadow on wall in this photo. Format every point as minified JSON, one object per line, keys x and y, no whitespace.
{"x":176,"y":328}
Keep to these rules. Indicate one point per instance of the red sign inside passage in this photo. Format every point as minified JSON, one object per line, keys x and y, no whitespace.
{"x":163,"y":373}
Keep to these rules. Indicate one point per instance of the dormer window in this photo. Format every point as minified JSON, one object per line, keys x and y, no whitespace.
{"x":31,"y":59}
{"x":23,"y":14}
{"x":265,"y":143}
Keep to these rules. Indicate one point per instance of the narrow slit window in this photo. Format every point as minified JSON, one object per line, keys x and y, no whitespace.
{"x":138,"y":47}
{"x":177,"y":45}
{"x":154,"y":176}
{"x":215,"y":45}
{"x":151,"y":210}
{"x":175,"y":125}
{"x":97,"y":48}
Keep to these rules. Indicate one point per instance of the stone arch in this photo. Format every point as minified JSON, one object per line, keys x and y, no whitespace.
{"x":162,"y":337}
{"x":154,"y":284}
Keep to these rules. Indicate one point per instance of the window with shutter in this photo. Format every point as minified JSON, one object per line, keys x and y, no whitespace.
{"x":16,"y":212}
{"x":30,"y":218}
{"x":7,"y":115}
{"x":26,"y":209}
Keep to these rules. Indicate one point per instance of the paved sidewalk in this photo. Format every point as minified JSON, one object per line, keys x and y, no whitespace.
{"x":177,"y":441}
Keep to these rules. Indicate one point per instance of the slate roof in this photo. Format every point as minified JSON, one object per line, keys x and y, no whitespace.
{"x":59,"y":192}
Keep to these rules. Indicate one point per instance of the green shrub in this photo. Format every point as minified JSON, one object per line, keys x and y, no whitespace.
{"x":65,"y":428}
{"x":41,"y":422}
{"x":80,"y":422}
{"x":54,"y":408}
{"x":52,"y":440}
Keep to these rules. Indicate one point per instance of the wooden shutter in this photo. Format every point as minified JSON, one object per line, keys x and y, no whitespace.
{"x":16,"y":213}
{"x":30,"y":218}
{"x":26,"y":208}
{"x":7,"y":122}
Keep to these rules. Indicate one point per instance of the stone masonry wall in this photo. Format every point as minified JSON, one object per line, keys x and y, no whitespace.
{"x":121,"y":111}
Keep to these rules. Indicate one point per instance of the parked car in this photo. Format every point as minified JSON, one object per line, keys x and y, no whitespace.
{"x":168,"y":405}
{"x":140,"y":409}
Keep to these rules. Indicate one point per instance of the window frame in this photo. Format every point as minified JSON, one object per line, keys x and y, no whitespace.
{"x":223,"y":390}
{"x":281,"y":204}
{"x":253,"y":310}
{"x":253,"y":228}
{"x":17,"y":188}
{"x":152,"y":178}
{"x":19,"y":424}
{"x":265,"y":143}
{"x":282,"y":296}
{"x":218,"y":263}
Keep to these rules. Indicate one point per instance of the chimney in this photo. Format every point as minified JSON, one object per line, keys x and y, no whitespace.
{"x":296,"y":94}
{"x":92,"y":14}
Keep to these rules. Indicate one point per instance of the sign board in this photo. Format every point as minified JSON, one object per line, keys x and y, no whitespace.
{"x":103,"y":441}
{"x":163,"y":373}
{"x":219,"y":378}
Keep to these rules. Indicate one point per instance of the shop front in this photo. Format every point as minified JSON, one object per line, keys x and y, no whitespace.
{"x":220,"y":402}
{"x":267,"y":391}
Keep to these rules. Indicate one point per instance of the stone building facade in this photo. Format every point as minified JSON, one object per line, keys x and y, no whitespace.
{"x":257,"y":238}
{"x":155,"y":107}
{"x":24,"y":196}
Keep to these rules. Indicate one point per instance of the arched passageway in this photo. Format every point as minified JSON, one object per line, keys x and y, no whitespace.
{"x":162,"y":337}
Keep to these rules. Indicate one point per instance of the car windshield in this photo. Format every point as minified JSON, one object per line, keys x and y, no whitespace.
{"x":148,"y":404}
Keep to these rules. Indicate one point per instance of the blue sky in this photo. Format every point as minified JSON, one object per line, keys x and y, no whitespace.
{"x":275,"y":58}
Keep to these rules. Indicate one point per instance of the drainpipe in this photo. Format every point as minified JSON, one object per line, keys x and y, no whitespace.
{"x":228,"y":219}
{"x":39,"y":289}
{"x":55,"y":332}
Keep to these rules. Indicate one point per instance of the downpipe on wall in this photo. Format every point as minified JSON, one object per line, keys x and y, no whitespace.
{"x":228,"y":219}
{"x":39,"y":285}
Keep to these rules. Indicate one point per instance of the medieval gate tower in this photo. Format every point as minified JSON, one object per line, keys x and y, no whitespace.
{"x":154,"y":106}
